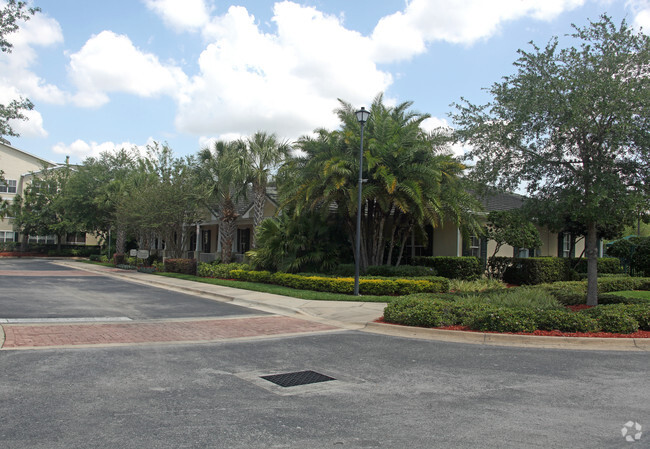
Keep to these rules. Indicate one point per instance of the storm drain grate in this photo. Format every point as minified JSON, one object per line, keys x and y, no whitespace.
{"x":297,"y":378}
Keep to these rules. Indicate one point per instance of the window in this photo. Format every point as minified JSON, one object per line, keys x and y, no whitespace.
{"x":475,"y":246}
{"x":7,"y":236}
{"x":40,"y":239}
{"x":566,"y":245}
{"x":10,"y":187}
{"x":76,"y":239}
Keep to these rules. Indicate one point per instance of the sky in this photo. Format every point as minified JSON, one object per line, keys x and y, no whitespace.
{"x":105,"y":75}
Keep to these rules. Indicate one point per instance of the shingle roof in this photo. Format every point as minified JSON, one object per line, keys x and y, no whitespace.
{"x":502,"y":201}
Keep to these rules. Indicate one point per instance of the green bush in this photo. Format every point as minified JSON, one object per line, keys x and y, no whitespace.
{"x":535,"y":270}
{"x":344,"y":269}
{"x":617,"y":284}
{"x":502,"y":319}
{"x":475,"y":286}
{"x":569,"y":293}
{"x":219,"y":270}
{"x":516,"y":298}
{"x":467,"y":268}
{"x":402,"y":271}
{"x":641,"y":313}
{"x":566,"y":321}
{"x":182,"y":266}
{"x":606,"y":265}
{"x":378,"y":287}
{"x":422,"y":312}
{"x":95,"y":257}
{"x":613,"y":318}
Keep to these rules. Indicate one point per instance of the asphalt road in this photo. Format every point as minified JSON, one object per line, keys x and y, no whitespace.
{"x":389,"y":392}
{"x":73,"y":294}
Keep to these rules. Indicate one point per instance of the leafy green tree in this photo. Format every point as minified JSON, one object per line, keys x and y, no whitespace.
{"x":572,"y":124}
{"x":412,"y":180}
{"x":509,"y":227}
{"x":94,"y":191}
{"x":264,"y":153}
{"x":10,"y":16}
{"x":41,"y":210}
{"x":223,"y":172}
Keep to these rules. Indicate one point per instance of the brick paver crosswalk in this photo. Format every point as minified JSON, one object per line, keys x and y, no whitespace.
{"x":49,"y":335}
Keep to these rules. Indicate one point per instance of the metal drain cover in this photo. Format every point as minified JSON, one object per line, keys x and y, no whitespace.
{"x":297,"y":378}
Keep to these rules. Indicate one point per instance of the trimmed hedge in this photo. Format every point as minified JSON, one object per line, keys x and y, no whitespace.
{"x":401,"y":271}
{"x":539,"y":270}
{"x":575,"y":292}
{"x":375,"y":287}
{"x":182,"y":266}
{"x":219,"y":270}
{"x":466,"y":268}
{"x":535,"y":270}
{"x":619,"y":318}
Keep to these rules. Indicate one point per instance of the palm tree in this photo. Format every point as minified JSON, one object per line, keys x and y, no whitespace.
{"x":411,"y":180}
{"x":223,"y":170}
{"x":264,"y":153}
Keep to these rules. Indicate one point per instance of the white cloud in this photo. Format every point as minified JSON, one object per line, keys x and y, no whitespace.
{"x":109,"y":62}
{"x":181,"y":15}
{"x":442,"y":125}
{"x":80,"y":149}
{"x":286,"y":82}
{"x":641,"y":11}
{"x":32,"y":127}
{"x":16,"y":68}
{"x":406,"y":33}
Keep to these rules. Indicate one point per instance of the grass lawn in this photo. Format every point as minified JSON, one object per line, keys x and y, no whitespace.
{"x":632,"y":294}
{"x":279,"y":290}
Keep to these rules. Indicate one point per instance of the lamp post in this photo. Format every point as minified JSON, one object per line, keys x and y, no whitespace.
{"x":362,"y":117}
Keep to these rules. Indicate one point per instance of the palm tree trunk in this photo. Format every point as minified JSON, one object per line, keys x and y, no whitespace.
{"x":259,"y":199}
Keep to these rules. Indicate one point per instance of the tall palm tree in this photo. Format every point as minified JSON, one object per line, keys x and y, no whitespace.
{"x":264,"y":153}
{"x":223,"y":169}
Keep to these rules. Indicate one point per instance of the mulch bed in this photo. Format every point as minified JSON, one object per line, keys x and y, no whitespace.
{"x":639,"y":334}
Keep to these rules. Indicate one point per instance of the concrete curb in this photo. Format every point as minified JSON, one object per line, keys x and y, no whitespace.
{"x":527,"y":341}
{"x":301,"y":308}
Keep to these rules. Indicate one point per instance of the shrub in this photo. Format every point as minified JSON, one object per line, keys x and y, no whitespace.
{"x":606,"y":265}
{"x":502,"y":319}
{"x":344,"y":269}
{"x":523,"y":298}
{"x":183,"y":266}
{"x":467,"y":268}
{"x":641,"y":313}
{"x":422,"y":312}
{"x":617,"y":284}
{"x":119,"y":259}
{"x":613,"y":318}
{"x":566,"y":321}
{"x":569,"y":293}
{"x":400,"y":271}
{"x":536,"y":270}
{"x":219,"y":270}
{"x":496,"y":266}
{"x":378,"y":287}
{"x":95,"y":257}
{"x":478,"y":285}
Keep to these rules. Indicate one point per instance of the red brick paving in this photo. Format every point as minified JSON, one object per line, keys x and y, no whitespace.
{"x":39,"y":335}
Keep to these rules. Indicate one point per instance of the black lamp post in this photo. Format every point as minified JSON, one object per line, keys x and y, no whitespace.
{"x":362,"y":117}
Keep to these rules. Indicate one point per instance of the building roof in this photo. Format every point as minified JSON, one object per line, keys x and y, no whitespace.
{"x":44,"y":161}
{"x":502,"y":201}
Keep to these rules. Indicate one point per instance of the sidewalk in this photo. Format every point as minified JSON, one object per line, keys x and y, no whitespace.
{"x":356,"y":315}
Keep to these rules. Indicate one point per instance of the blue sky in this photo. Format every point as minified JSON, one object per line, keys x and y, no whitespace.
{"x":122,"y":73}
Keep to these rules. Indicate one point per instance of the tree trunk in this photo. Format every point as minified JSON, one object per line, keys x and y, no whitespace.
{"x":120,"y":242}
{"x":401,"y":249}
{"x":259,"y":199}
{"x":592,"y":264}
{"x":227,"y":230}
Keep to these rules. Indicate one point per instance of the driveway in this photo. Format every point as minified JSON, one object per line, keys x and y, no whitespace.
{"x":37,"y":288}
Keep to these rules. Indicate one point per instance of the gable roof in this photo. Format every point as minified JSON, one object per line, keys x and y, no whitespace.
{"x":33,"y":156}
